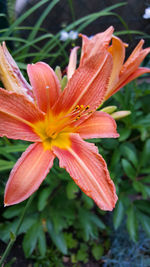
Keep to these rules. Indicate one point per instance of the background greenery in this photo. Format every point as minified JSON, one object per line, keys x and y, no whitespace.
{"x":62,"y":226}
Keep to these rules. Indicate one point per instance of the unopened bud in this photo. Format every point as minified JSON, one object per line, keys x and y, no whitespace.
{"x":58,"y":73}
{"x":109,"y":109}
{"x":64,"y":82}
{"x":120,"y":114}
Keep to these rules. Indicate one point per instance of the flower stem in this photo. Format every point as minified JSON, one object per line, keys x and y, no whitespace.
{"x":14,"y":235}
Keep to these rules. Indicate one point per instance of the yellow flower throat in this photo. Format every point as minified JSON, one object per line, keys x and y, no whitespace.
{"x":55,"y":130}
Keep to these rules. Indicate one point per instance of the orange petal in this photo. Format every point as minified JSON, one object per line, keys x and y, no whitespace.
{"x":130,"y":69}
{"x":98,"y":125}
{"x":28,"y":173}
{"x":45,"y":84}
{"x":134,"y":75}
{"x":11,"y":76}
{"x":13,"y":128}
{"x":133,"y":62}
{"x":88,"y":84}
{"x":72,"y":62}
{"x":19,"y":107}
{"x":118,"y":54}
{"x":92,"y":46}
{"x":89,"y":171}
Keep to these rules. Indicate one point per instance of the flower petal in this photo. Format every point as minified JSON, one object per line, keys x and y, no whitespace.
{"x":11,"y":76}
{"x":45,"y":84}
{"x":13,"y":128}
{"x":134,"y":75}
{"x":89,"y":171}
{"x":19,"y":107}
{"x":28,"y":173}
{"x":118,"y":53}
{"x":88,"y":84}
{"x":72,"y":62}
{"x":130,"y":70}
{"x":92,"y":46}
{"x":98,"y":125}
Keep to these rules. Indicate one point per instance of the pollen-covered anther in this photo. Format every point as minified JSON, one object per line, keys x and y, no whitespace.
{"x":87,"y":107}
{"x":82,"y":107}
{"x":78,"y":117}
{"x":77,"y":107}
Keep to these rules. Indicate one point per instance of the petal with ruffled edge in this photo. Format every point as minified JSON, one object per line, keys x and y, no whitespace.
{"x":92,"y":46}
{"x":28,"y":173}
{"x":11,"y":76}
{"x":88,"y":84}
{"x":98,"y":125}
{"x":45,"y":84}
{"x":89,"y":171}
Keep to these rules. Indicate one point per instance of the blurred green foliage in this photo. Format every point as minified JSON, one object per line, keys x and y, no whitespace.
{"x":61,"y":219}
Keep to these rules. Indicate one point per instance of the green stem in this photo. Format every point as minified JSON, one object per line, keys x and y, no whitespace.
{"x":13,"y":239}
{"x":70,"y":2}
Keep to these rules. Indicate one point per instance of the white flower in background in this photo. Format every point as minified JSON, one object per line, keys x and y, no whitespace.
{"x":147,"y":13}
{"x":72,"y":35}
{"x":64,"y":36}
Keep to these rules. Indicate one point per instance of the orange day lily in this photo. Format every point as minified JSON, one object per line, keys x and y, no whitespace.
{"x":57,"y":122}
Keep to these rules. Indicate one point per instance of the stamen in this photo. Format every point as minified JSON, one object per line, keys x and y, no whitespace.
{"x":87,"y":107}
{"x":62,"y":123}
{"x":81,"y":106}
{"x":78,"y":117}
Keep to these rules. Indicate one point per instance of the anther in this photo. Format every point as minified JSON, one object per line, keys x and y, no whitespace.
{"x":77,"y":107}
{"x":87,"y":107}
{"x":78,"y":117}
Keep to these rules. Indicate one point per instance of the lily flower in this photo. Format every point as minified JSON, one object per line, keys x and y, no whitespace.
{"x":122,"y":72}
{"x":58,"y":122}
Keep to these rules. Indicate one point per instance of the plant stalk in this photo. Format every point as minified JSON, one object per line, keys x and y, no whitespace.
{"x":13,"y":239}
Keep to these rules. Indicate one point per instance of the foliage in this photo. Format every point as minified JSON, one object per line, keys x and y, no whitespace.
{"x":61,"y":219}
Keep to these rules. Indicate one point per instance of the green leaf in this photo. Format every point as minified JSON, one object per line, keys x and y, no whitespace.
{"x":97,"y":251}
{"x":71,"y":242}
{"x":132,"y":223}
{"x":42,"y":242}
{"x":6,"y":165}
{"x":88,"y":202}
{"x":130,"y":154}
{"x":30,"y":239}
{"x":57,"y":238}
{"x":139,"y":187}
{"x":15,"y":148}
{"x":28,"y":222}
{"x":97,"y":221}
{"x":43,"y":196}
{"x":11,"y":212}
{"x":118,"y":214}
{"x":145,"y":156}
{"x":88,"y":222}
{"x":124,"y":134}
{"x":72,"y":189}
{"x":143,"y":205}
{"x":145,"y":222}
{"x":82,"y":254}
{"x":129,"y":170}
